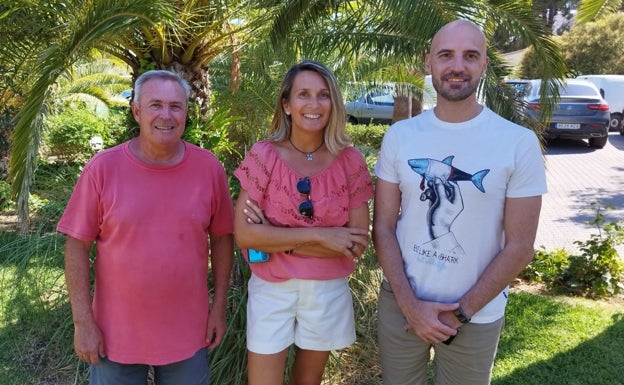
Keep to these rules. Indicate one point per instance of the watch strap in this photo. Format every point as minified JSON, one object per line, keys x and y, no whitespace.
{"x":461,"y":316}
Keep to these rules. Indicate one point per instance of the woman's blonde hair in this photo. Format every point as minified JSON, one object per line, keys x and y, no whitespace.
{"x":336,"y":138}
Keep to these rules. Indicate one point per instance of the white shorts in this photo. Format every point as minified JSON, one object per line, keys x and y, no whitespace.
{"x":314,"y":315}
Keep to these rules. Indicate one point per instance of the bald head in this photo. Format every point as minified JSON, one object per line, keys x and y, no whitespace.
{"x":459,"y":30}
{"x":457,"y":60}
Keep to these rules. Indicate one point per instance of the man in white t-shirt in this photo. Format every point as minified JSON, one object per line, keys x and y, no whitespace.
{"x":457,"y":202}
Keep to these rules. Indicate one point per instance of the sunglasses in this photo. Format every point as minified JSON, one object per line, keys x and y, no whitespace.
{"x":303,"y":187}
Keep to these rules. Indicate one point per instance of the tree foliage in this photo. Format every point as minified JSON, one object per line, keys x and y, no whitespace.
{"x":357,"y":39}
{"x":595,"y":47}
{"x":589,"y":48}
{"x":180,"y":35}
{"x":596,"y":9}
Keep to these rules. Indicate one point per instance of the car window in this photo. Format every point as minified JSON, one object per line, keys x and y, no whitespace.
{"x":380,"y":98}
{"x":519,"y":87}
{"x":578,"y":89}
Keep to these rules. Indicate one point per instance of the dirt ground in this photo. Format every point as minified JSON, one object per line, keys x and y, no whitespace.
{"x":8,"y":222}
{"x":539,"y":289}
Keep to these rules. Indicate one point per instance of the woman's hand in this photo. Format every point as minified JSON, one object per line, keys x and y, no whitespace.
{"x":253,"y":212}
{"x":349,"y":241}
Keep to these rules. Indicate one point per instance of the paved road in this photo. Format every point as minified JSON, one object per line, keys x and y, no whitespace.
{"x":578,"y":176}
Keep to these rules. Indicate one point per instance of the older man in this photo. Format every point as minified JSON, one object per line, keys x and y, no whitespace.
{"x":156,"y":208}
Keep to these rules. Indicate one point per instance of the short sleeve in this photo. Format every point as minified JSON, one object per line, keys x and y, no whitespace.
{"x":223,"y":211}
{"x":385,"y":168}
{"x":254,"y":172}
{"x":359,"y":179}
{"x":529,"y":176}
{"x":82,"y":215}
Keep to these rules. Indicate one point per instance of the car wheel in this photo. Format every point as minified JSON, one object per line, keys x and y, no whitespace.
{"x":352,"y":120}
{"x":598,"y":142}
{"x":615,"y":122}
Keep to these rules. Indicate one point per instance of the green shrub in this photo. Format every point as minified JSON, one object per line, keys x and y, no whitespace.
{"x":68,"y":133}
{"x":364,"y":135}
{"x":50,"y":192}
{"x":546,"y":266}
{"x":211,"y":133}
{"x":367,"y":139}
{"x":5,"y":195}
{"x":596,"y":271}
{"x":119,"y":126}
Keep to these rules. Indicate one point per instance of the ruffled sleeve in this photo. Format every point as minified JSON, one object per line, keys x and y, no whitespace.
{"x":358,"y":178}
{"x":254,"y":172}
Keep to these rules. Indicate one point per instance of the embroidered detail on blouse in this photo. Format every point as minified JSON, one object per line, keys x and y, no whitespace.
{"x":344,"y":184}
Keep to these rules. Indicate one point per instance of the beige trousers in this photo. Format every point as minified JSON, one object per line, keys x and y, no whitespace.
{"x":468,"y":360}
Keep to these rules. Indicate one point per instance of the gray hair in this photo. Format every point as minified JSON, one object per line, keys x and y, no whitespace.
{"x":160,"y":74}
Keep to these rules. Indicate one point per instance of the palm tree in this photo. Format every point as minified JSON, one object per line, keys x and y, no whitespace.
{"x":184,"y":36}
{"x":386,"y":34}
{"x":97,"y":84}
{"x":187,"y":35}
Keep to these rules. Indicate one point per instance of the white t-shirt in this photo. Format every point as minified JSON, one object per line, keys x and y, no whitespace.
{"x":454,"y":179}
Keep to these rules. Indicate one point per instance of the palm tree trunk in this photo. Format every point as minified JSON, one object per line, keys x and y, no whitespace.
{"x":402,"y":107}
{"x":417,"y":107}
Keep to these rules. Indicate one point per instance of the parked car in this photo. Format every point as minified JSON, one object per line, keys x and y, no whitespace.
{"x":377,"y":106}
{"x":373,"y":107}
{"x":581,"y":112}
{"x":611,"y":88}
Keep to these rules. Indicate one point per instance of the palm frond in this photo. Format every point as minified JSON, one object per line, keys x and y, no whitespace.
{"x":92,"y":23}
{"x":590,"y":10}
{"x":302,"y":11}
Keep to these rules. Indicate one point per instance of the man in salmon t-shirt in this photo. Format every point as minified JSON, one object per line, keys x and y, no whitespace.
{"x":156,"y":208}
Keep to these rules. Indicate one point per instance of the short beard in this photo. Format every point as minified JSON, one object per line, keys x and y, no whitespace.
{"x":455,"y":95}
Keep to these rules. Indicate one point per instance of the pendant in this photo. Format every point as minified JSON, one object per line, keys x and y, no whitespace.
{"x":309,"y":156}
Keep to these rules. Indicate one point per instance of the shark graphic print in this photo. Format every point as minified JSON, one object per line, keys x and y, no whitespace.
{"x":441,"y":188}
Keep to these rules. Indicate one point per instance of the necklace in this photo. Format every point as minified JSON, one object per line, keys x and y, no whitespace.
{"x":308,"y":154}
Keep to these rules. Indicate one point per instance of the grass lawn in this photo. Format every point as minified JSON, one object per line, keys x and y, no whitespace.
{"x":561,"y":341}
{"x":547,"y":340}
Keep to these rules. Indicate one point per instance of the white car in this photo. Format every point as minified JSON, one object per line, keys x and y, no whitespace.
{"x":377,"y":106}
{"x":373,"y":107}
{"x":612,"y":90}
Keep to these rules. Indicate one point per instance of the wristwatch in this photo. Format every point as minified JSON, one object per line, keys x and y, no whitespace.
{"x":461,"y":316}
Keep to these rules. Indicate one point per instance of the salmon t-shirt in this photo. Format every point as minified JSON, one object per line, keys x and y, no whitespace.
{"x":150,"y":225}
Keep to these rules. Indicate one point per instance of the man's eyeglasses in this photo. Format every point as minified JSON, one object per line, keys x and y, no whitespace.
{"x":303,"y":187}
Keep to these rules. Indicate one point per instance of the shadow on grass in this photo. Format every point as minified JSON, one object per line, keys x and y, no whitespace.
{"x":35,"y":319}
{"x":36,"y":344}
{"x":598,"y":360}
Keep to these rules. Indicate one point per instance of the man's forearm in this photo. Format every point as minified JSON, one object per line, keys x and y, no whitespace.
{"x":77,"y":277}
{"x":221,"y":260}
{"x":503,"y":269}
